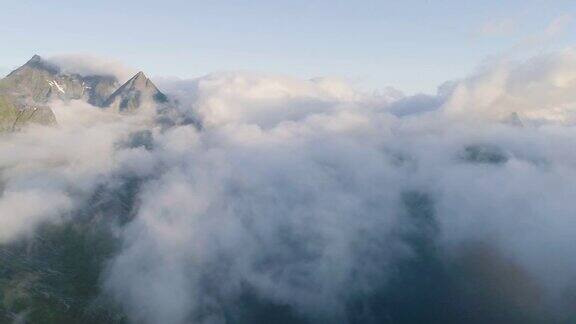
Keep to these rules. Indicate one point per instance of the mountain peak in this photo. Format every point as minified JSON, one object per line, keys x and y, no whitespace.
{"x":35,"y":59}
{"x":31,"y":81}
{"x":37,"y":62}
{"x":39,"y":81}
{"x":140,"y":81}
{"x":137,"y":91}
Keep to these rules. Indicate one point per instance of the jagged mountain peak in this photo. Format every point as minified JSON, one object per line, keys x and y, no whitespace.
{"x":40,"y":81}
{"x":140,"y":81}
{"x":36,"y":58}
{"x":28,"y":89}
{"x":36,"y":63}
{"x":136,"y":92}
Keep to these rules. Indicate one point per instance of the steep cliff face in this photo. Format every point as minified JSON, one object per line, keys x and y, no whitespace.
{"x":15,"y":115}
{"x":98,"y":88}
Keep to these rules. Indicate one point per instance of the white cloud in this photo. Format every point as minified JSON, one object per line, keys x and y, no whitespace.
{"x":559,"y":24}
{"x":312,"y":195}
{"x":541,"y":89}
{"x":22,"y":210}
{"x":498,"y":27}
{"x":87,"y":65}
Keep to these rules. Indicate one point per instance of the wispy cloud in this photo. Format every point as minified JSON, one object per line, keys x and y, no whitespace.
{"x":559,"y":24}
{"x":498,"y":27}
{"x":86,"y":64}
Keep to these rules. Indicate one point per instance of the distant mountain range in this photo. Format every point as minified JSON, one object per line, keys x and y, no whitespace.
{"x":26,"y":91}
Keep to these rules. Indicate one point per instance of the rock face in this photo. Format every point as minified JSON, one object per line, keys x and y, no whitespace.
{"x":138,"y":92}
{"x":484,"y":154}
{"x":514,"y":120}
{"x":14,"y":114}
{"x":99,"y":88}
{"x":39,"y":81}
{"x":26,"y":91}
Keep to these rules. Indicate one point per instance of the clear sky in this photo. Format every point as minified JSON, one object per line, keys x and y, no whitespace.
{"x":411,"y":45}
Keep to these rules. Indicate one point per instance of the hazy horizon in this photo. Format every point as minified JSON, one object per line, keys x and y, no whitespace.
{"x":413,"y":46}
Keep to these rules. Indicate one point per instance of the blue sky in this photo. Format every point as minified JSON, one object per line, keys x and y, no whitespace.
{"x":411,"y":45}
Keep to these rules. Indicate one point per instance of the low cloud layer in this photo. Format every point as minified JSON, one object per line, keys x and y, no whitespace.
{"x":541,"y":89}
{"x":302,"y":201}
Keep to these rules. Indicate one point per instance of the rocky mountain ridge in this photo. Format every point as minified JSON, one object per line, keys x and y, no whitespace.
{"x":26,"y":91}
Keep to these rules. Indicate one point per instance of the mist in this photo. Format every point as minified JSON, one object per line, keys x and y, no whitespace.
{"x":88,"y":65}
{"x":305,"y":201}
